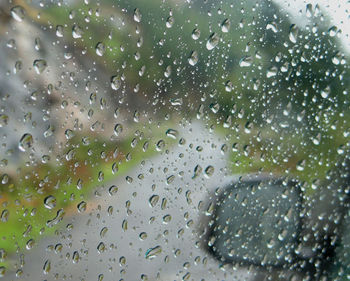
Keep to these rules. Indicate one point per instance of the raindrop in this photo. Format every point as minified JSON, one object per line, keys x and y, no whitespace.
{"x":171,"y":133}
{"x":272,"y":26}
{"x":160,"y":145}
{"x":77,"y":32}
{"x":3,"y":120}
{"x":50,"y":202}
{"x":82,"y":206}
{"x":100,"y":49}
{"x":332,"y":31}
{"x":293,"y":33}
{"x":137,"y":15}
{"x":193,"y":58}
{"x":101,"y":247}
{"x":170,"y":179}
{"x":118,"y":129}
{"x":225,"y":26}
{"x":125,"y":225}
{"x":143,"y":235}
{"x":75,"y":257}
{"x":115,"y":82}
{"x":113,"y":190}
{"x":39,"y":66}
{"x":59,"y":31}
{"x":103,"y":232}
{"x":153,"y":252}
{"x":169,"y":22}
{"x":47,"y":267}
{"x":213,"y":41}
{"x":18,"y":13}
{"x":271,"y":72}
{"x":246,"y":61}
{"x":196,"y":34}
{"x":5,"y":215}
{"x":153,"y":200}
{"x":25,"y":142}
{"x":209,"y":171}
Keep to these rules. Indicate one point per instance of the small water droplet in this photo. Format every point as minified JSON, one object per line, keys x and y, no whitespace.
{"x":47,"y":267}
{"x":332,"y":31}
{"x":143,"y":235}
{"x":171,"y":133}
{"x":5,"y":215}
{"x":75,"y":257}
{"x":209,"y":171}
{"x":3,"y":120}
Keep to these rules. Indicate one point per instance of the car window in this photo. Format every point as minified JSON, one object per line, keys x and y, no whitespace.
{"x":174,"y":140}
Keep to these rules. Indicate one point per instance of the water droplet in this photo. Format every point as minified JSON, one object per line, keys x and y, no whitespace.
{"x":82,"y":206}
{"x":100,"y":49}
{"x":3,"y":120}
{"x":171,"y":133}
{"x":332,"y":31}
{"x":57,"y":219}
{"x":5,"y":215}
{"x":101,"y":247}
{"x":170,"y":179}
{"x":75,"y":257}
{"x":160,"y":145}
{"x":301,"y":165}
{"x":39,"y":66}
{"x":77,"y":32}
{"x":272,"y":26}
{"x":325,"y":92}
{"x":153,"y":252}
{"x":118,"y":129}
{"x":193,"y":58}
{"x":246,"y":61}
{"x":18,"y":13}
{"x":196,"y":34}
{"x":167,"y":71}
{"x":209,"y":171}
{"x":213,"y":41}
{"x":197,"y":171}
{"x":137,"y":15}
{"x":125,"y":225}
{"x":309,"y":10}
{"x":271,"y":72}
{"x":293,"y":33}
{"x":169,"y":22}
{"x":59,"y":31}
{"x":50,"y":202}
{"x":153,"y":200}
{"x":47,"y":267}
{"x":225,"y":25}
{"x":103,"y":232}
{"x":113,"y":190}
{"x":166,"y":219}
{"x":26,"y":142}
{"x":115,"y":82}
{"x":143,"y":235}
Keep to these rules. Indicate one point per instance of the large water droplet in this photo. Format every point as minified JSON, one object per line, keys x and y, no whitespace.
{"x":100,"y":49}
{"x":18,"y":13}
{"x":40,"y":65}
{"x":115,"y":82}
{"x":26,"y":142}
{"x":50,"y":202}
{"x":153,"y":200}
{"x":77,"y":32}
{"x":225,"y":26}
{"x":153,"y":252}
{"x":293,"y":33}
{"x":137,"y":15}
{"x":246,"y":61}
{"x":213,"y":41}
{"x":196,"y":34}
{"x":169,"y":22}
{"x":193,"y":58}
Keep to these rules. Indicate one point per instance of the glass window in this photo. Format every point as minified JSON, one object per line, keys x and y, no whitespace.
{"x":174,"y":140}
